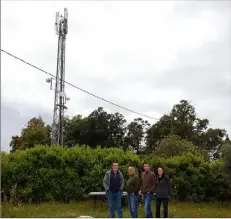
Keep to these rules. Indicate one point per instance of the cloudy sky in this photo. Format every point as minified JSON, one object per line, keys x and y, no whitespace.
{"x":144,"y":55}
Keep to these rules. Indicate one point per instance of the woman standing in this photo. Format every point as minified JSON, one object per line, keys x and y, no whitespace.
{"x":163,"y":192}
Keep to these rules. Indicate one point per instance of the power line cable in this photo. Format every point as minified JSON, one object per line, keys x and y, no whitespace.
{"x":81,"y":89}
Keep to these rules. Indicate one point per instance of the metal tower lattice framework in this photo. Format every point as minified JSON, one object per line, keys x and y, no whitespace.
{"x":61,"y":27}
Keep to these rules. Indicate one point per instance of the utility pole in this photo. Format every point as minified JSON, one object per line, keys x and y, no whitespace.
{"x":60,"y":99}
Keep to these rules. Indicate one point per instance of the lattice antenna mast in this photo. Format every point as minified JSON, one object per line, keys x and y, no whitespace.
{"x":60,"y":99}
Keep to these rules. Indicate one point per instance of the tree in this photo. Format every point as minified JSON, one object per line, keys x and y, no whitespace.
{"x":74,"y":130}
{"x":173,"y":145}
{"x":212,"y":140}
{"x":95,"y":130}
{"x":226,"y":149}
{"x":16,"y":142}
{"x":99,"y":128}
{"x":109,"y":130}
{"x":36,"y":132}
{"x":135,"y":136}
{"x":104,"y":129}
{"x":116,"y":130}
{"x":158,"y":131}
{"x":183,"y":122}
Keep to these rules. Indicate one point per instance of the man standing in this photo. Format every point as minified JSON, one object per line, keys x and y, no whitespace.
{"x":148,"y":185}
{"x":113,"y":183}
{"x":133,"y":186}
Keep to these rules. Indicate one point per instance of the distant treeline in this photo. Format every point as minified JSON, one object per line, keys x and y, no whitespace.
{"x":112,"y":130}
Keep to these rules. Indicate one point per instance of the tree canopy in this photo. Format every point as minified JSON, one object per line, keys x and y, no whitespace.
{"x":175,"y":132}
{"x":35,"y":132}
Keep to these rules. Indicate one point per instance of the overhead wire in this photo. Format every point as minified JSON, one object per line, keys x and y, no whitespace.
{"x":81,"y":89}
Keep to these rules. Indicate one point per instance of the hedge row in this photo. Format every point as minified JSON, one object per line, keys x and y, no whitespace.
{"x":61,"y":174}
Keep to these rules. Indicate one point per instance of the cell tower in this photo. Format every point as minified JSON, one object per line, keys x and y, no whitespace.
{"x":61,"y":27}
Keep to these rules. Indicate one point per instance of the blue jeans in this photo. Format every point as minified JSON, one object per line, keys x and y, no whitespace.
{"x":133,"y":204}
{"x":115,"y":197}
{"x":147,"y":204}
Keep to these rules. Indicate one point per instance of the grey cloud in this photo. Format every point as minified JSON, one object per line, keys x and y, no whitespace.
{"x":203,"y":72}
{"x":204,"y":75}
{"x":12,"y":121}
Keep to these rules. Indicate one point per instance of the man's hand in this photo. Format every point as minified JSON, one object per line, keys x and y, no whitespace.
{"x":154,"y":196}
{"x":142,"y":196}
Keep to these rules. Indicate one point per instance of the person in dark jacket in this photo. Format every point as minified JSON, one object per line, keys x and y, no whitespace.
{"x":148,"y":185}
{"x":133,"y":186}
{"x":163,"y":192}
{"x":113,"y":183}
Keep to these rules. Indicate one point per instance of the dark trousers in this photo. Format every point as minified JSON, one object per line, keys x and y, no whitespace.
{"x":158,"y":204}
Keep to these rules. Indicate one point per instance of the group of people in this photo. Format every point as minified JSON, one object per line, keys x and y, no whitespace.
{"x":149,"y":185}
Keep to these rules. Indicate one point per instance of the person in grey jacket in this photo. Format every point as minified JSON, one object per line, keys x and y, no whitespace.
{"x":113,"y":183}
{"x":163,"y":192}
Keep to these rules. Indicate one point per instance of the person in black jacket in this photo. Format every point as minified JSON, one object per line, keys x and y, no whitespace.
{"x":163,"y":192}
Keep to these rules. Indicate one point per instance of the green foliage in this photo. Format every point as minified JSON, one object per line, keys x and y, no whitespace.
{"x":36,"y":132}
{"x":193,"y":178}
{"x":135,"y":134}
{"x":59,"y":173}
{"x":99,"y":128}
{"x":65,"y":174}
{"x":173,"y":145}
{"x":226,"y":149}
{"x":110,"y":130}
{"x":183,"y":122}
{"x":179,"y":142}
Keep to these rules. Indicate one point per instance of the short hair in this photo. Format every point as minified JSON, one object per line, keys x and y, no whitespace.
{"x":114,"y":161}
{"x":133,"y":168}
{"x":146,"y":163}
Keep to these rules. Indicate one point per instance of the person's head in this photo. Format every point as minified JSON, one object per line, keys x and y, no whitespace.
{"x":146,"y":166}
{"x":160,"y":171}
{"x":131,"y":171}
{"x":115,"y":166}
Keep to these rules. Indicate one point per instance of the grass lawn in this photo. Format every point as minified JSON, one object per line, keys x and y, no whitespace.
{"x":176,"y":209}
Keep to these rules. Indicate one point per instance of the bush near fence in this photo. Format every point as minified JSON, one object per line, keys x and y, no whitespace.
{"x":68,"y":174}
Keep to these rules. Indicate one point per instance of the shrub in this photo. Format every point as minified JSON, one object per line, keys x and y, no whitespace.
{"x":59,"y":173}
{"x":62,"y":174}
{"x":194,"y":178}
{"x":173,"y":145}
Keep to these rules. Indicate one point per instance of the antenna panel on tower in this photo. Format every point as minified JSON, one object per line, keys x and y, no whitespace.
{"x":57,"y":23}
{"x":65,"y":13}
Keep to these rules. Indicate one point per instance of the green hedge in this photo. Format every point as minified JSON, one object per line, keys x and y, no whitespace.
{"x":61,"y":174}
{"x":195,"y":179}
